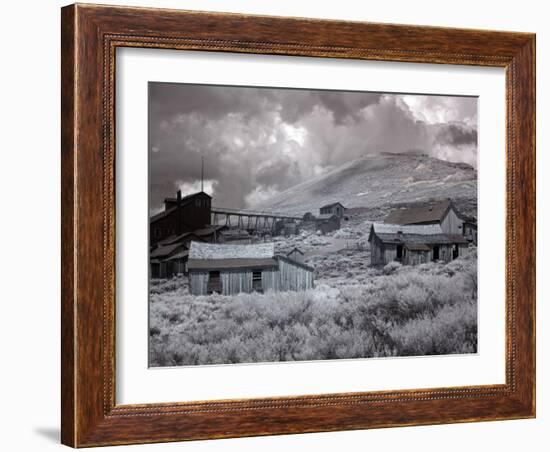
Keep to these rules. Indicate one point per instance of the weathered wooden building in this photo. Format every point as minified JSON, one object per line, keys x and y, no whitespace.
{"x":168,"y":260}
{"x":327,"y":222}
{"x":413,"y":244}
{"x":442,"y":213}
{"x":180,"y":214}
{"x":334,"y":208}
{"x":231,"y":269}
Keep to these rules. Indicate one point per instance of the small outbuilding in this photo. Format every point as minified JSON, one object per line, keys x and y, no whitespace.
{"x":231,"y":269}
{"x":327,"y":222}
{"x":334,"y":208}
{"x":413,"y":244}
{"x":443,"y":213}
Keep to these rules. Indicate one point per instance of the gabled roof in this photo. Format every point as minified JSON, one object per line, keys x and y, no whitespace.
{"x":295,"y":263}
{"x":210,"y":251}
{"x":326,"y":206}
{"x":428,"y":213}
{"x":295,"y":249}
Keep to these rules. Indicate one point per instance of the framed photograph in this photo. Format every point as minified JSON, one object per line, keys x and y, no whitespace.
{"x":281,"y":225}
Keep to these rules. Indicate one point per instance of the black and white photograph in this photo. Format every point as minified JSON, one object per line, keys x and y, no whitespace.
{"x":294,"y":224}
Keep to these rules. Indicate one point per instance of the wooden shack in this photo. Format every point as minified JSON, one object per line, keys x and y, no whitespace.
{"x":327,"y":223}
{"x":442,"y":213}
{"x":413,"y":244}
{"x":334,"y":208}
{"x":231,"y":269}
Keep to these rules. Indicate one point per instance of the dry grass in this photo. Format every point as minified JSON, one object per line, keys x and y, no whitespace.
{"x":354,"y":312}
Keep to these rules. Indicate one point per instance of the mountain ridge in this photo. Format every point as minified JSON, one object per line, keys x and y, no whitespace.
{"x":380,"y":180}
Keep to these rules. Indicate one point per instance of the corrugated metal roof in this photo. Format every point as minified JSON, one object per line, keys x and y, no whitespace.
{"x":166,"y":250}
{"x":199,"y":250}
{"x":430,"y":212}
{"x":420,"y":229}
{"x":230,"y":264}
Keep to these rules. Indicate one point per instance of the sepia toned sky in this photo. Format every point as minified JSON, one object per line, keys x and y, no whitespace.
{"x":257,"y":142}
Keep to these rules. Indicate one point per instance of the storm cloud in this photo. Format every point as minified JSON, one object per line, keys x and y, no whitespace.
{"x":257,"y":142}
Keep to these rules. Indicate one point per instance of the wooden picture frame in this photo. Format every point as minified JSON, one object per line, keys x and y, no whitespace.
{"x":90,"y":36}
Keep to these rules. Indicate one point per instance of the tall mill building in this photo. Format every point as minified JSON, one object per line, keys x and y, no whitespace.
{"x":180,"y":215}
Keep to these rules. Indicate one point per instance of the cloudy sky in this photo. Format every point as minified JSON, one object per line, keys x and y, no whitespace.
{"x":257,"y":142}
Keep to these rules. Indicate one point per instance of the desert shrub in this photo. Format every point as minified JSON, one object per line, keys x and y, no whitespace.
{"x":391,"y":267}
{"x":427,"y":309}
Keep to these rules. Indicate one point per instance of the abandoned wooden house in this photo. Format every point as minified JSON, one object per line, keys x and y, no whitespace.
{"x":180,"y":214}
{"x":168,"y":260}
{"x":443,"y":213}
{"x":231,"y":269}
{"x":327,"y":222}
{"x":335,"y":208}
{"x":413,"y":244}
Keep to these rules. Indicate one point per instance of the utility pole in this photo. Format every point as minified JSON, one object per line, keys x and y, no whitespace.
{"x":202,"y":172}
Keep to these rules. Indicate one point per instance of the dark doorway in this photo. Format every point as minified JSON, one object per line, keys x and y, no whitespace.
{"x":257,"y":281}
{"x":436,"y":253}
{"x":214,"y":282}
{"x":399,"y":255}
{"x":455,"y":251}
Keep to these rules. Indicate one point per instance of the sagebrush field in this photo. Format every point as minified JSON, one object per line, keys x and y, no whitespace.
{"x":354,"y":311}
